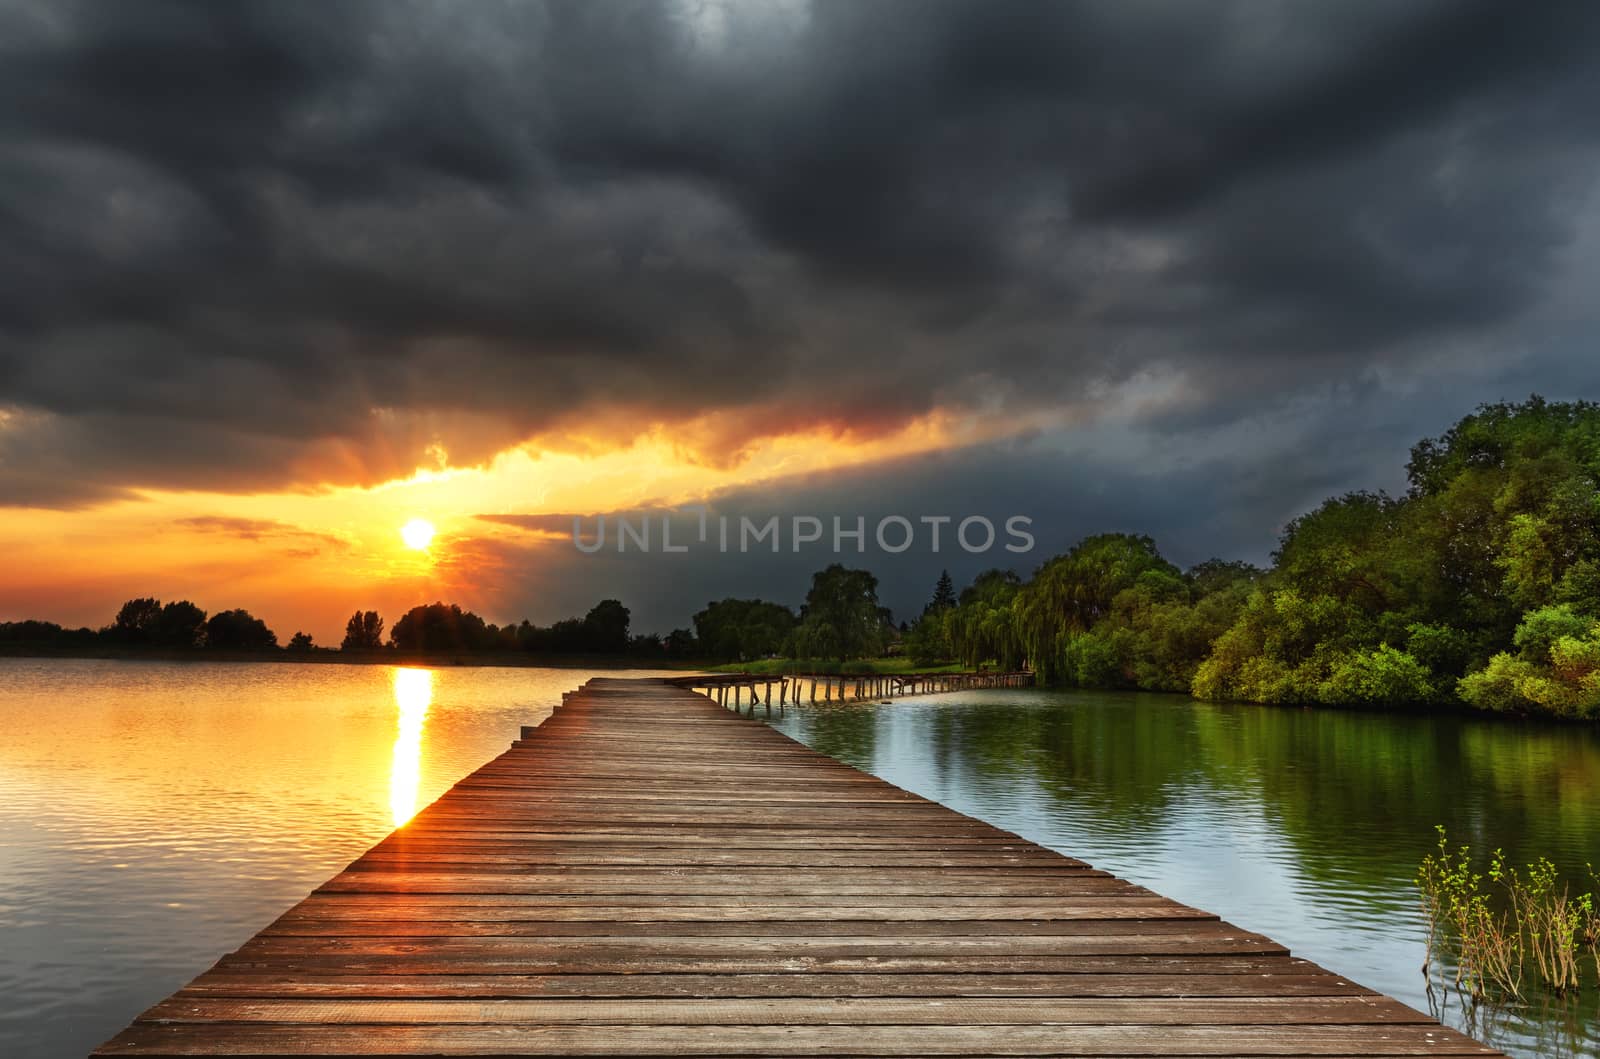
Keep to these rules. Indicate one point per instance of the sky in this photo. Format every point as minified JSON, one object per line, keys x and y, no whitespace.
{"x":276,"y":279}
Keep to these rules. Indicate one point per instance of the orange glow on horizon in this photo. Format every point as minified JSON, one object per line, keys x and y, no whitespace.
{"x":304,"y":557}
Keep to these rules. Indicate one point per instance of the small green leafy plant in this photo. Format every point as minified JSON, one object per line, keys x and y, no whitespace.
{"x":1509,"y":932}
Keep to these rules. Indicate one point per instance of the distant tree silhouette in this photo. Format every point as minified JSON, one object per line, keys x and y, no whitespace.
{"x":300,"y":641}
{"x":239,"y":630}
{"x":737,"y":630}
{"x":44,"y":633}
{"x":606,"y":627}
{"x":944,"y":593}
{"x":136,"y":621}
{"x":363,"y":632}
{"x":680,"y":643}
{"x":180,"y":624}
{"x":439,"y":627}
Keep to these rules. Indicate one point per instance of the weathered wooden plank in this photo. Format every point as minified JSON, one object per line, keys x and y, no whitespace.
{"x":789,"y":1011}
{"x":733,"y":901}
{"x":765,"y":931}
{"x":733,"y":918}
{"x":1212,"y":937}
{"x":960,"y":1039}
{"x":647,"y":874}
{"x":752,"y":962}
{"x":1287,"y":977}
{"x":931,"y":884}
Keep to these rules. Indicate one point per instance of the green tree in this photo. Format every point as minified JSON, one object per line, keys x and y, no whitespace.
{"x":983,"y":627}
{"x":1069,"y":594}
{"x":741,"y":630}
{"x":1506,"y":499}
{"x":1160,"y":628}
{"x":841,"y":618}
{"x":1555,"y":670}
{"x":1385,"y":676}
{"x":928,"y":641}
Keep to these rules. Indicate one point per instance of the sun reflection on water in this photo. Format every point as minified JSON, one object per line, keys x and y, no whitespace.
{"x":413,"y":694}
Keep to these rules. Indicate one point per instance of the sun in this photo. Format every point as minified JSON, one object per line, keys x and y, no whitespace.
{"x":418,"y":534}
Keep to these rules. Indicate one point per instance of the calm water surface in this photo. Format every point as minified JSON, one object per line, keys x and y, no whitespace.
{"x":155,"y":815}
{"x":1305,"y":825}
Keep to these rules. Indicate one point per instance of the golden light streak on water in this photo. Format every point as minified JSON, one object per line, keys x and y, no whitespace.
{"x":413,"y":694}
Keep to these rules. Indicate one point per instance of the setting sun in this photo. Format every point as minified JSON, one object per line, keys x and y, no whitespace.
{"x":418,"y":534}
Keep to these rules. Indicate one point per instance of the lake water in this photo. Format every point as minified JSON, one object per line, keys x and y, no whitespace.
{"x":155,"y":815}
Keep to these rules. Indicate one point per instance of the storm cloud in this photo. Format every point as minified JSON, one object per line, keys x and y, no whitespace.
{"x":248,"y":246}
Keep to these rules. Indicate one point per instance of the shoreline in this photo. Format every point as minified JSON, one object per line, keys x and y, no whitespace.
{"x":330,"y":656}
{"x":769,"y":667}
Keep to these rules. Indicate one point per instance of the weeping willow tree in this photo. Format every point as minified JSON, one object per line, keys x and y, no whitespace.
{"x":982,"y":627}
{"x":1072,"y":592}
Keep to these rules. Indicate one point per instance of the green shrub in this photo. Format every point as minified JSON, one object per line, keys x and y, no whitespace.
{"x":1382,"y":677}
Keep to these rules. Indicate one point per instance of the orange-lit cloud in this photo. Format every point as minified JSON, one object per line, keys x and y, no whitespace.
{"x":305,"y":558}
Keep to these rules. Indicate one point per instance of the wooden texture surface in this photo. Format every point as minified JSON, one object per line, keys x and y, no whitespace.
{"x":648,"y":874}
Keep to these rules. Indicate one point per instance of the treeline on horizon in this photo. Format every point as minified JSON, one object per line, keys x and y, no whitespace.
{"x":841,"y":619}
{"x":148,"y":624}
{"x":1480,"y":586}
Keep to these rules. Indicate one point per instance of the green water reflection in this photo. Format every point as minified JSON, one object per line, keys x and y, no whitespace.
{"x":1305,"y":824}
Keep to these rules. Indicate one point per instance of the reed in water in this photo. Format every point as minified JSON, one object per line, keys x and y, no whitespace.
{"x":1507,"y":932}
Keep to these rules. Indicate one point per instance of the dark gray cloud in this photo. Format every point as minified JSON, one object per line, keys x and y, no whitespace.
{"x":1218,"y":493}
{"x":245,"y":243}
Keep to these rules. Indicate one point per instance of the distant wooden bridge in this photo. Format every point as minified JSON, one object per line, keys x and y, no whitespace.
{"x":727,"y":689}
{"x":645,"y":874}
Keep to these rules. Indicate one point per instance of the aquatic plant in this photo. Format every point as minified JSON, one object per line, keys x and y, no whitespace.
{"x":1507,"y":931}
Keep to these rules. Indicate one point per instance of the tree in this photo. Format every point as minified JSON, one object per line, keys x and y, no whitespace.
{"x":239,"y":630}
{"x":738,"y":630}
{"x":928,"y":641}
{"x":363,"y":632}
{"x":1218,"y":575}
{"x":1556,"y":668}
{"x":606,"y":628}
{"x":982,"y":627}
{"x":841,"y":618}
{"x":439,"y":627}
{"x":180,"y":624}
{"x":300,"y":641}
{"x":136,"y":621}
{"x":680,"y":644}
{"x":44,"y":633}
{"x":1071,"y":593}
{"x":944,"y":593}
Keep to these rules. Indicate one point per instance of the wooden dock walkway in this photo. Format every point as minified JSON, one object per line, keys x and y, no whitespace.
{"x":647,"y":874}
{"x":727,"y":689}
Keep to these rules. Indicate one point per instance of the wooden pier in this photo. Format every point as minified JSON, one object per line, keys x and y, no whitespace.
{"x":728,"y":689}
{"x":645,"y":874}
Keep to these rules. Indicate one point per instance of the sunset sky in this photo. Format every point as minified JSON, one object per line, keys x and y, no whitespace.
{"x":277,"y":279}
